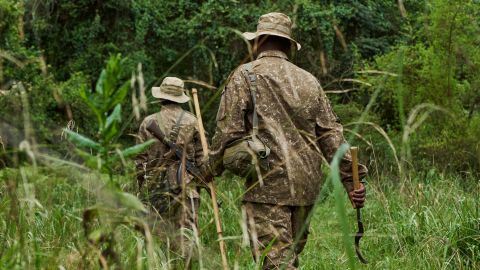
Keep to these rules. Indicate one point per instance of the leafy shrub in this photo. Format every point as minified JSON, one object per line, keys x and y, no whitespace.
{"x":436,"y":69}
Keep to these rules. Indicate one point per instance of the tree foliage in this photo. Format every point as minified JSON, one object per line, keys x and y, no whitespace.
{"x":430,"y":47}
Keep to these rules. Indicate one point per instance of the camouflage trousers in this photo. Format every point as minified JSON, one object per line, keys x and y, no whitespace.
{"x":173,"y":219}
{"x":178,"y":226}
{"x":277,"y":226}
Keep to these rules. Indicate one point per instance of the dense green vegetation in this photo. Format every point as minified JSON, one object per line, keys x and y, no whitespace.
{"x":402,"y":76}
{"x":434,"y":225}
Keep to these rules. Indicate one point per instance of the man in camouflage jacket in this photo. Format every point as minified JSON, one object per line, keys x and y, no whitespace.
{"x":296,"y":121}
{"x":157,"y":168}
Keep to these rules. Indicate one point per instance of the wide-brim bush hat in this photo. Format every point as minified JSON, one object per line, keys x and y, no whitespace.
{"x":172,"y":89}
{"x":273,"y":24}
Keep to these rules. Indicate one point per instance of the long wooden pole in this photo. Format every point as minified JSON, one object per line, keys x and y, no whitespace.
{"x":211,"y":185}
{"x":356,"y":178}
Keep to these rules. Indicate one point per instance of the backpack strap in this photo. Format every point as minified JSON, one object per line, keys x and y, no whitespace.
{"x":252,"y":77}
{"x":173,"y":136}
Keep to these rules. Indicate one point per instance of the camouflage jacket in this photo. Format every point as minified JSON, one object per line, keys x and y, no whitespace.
{"x":158,"y":163}
{"x":296,"y":122}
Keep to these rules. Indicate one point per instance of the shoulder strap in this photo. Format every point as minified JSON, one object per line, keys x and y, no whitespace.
{"x":173,"y":135}
{"x":175,"y":130}
{"x":252,"y":77}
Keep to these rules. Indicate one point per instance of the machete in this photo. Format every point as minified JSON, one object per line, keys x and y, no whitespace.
{"x":356,"y":185}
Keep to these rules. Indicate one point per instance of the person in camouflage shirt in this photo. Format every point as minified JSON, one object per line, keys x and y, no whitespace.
{"x":157,"y":167}
{"x":297,"y":123}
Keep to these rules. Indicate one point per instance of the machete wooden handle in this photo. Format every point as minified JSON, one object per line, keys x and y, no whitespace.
{"x":356,"y":178}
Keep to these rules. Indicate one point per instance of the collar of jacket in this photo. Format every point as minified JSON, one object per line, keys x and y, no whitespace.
{"x":273,"y":53}
{"x":171,"y":106}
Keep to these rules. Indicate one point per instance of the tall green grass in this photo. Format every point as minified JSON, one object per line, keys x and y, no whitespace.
{"x":413,"y":219}
{"x":435,"y":225}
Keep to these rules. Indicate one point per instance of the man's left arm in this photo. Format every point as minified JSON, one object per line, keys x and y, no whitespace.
{"x":329,"y":132}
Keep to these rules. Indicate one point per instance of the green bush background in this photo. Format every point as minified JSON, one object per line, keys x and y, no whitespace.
{"x":55,"y":47}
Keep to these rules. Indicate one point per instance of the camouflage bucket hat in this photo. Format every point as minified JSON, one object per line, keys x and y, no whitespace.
{"x":172,"y":89}
{"x":274,"y":24}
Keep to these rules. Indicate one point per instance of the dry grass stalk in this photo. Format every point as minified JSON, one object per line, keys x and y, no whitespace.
{"x":402,"y":9}
{"x":323,"y":62}
{"x":385,"y":135}
{"x":340,"y":37}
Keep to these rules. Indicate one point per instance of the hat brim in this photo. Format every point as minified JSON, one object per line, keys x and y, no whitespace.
{"x":253,"y":35}
{"x":178,"y":99}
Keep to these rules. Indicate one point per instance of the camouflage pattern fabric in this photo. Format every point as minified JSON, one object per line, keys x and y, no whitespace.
{"x":296,"y":122}
{"x":157,"y":166}
{"x":278,"y":226}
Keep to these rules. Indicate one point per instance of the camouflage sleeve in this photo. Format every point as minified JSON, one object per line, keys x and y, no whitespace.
{"x":329,"y":132}
{"x":141,"y":159}
{"x":231,"y":117}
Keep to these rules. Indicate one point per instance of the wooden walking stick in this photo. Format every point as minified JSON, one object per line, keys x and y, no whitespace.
{"x":211,"y":185}
{"x":356,"y":185}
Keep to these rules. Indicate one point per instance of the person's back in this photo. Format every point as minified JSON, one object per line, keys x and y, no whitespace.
{"x":295,"y":121}
{"x":159,"y":176}
{"x":288,"y":107}
{"x":180,"y":127}
{"x":297,"y":125}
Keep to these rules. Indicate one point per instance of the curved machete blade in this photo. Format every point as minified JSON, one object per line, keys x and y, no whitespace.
{"x":358,"y":236}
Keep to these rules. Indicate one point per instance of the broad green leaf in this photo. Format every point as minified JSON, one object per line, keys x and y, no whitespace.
{"x":113,"y":71}
{"x":115,"y":116}
{"x":83,"y":154}
{"x":85,"y":95}
{"x":110,"y":132}
{"x":101,"y":82}
{"x":137,"y":149}
{"x":119,"y":95}
{"x":89,"y":100}
{"x":80,"y":140}
{"x":130,"y":201}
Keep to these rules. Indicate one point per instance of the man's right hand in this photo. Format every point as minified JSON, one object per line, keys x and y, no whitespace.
{"x":206,"y":172}
{"x":357,"y":196}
